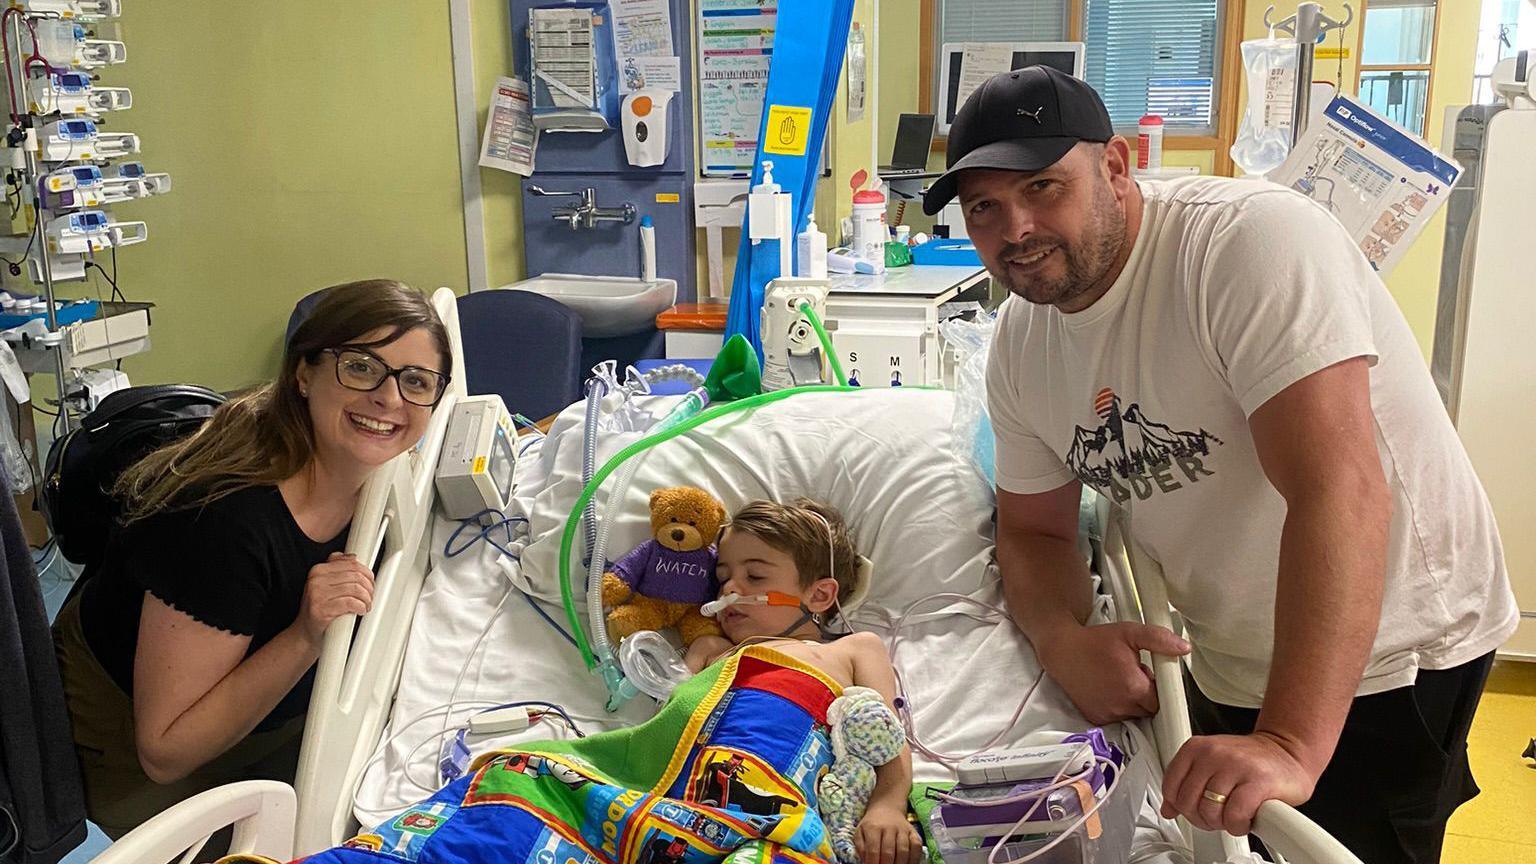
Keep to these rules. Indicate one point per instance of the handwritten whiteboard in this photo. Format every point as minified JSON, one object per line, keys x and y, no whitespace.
{"x":735,"y":50}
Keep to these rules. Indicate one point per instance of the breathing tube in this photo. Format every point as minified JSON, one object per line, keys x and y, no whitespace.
{"x":603,"y":382}
{"x":597,"y":388}
{"x":602,"y":650}
{"x":567,"y":539}
{"x":689,"y":415}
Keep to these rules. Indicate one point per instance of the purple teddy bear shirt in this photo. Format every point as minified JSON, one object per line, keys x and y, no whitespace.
{"x":655,"y":571}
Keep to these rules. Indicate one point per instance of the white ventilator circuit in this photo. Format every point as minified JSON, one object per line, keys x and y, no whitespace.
{"x":619,"y":689}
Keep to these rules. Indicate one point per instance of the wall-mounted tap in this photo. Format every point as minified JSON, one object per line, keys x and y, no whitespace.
{"x":586,"y":213}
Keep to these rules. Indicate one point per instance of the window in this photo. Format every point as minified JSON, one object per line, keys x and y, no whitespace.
{"x":1003,"y":20}
{"x":1143,"y":56}
{"x":1397,"y":46}
{"x":1506,"y":27}
{"x":1155,"y":57}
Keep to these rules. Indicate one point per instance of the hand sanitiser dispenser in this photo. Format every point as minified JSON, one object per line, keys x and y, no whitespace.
{"x":644,"y":118}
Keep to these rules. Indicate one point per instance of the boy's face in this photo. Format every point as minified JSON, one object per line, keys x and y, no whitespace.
{"x":748,"y":566}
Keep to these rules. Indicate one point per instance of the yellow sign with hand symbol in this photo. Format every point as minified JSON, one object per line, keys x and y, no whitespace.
{"x":789,"y":130}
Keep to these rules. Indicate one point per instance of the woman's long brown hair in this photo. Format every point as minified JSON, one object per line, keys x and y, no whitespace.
{"x":266,"y":436}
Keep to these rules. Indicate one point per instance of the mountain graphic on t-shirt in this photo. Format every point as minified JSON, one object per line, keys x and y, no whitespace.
{"x":1129,"y":443}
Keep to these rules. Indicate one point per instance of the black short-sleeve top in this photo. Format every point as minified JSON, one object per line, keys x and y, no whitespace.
{"x":238,"y":564}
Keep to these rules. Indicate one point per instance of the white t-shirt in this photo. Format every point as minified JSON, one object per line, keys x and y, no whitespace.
{"x":1235,"y":290}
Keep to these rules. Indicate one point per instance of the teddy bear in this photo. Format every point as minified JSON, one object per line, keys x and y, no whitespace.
{"x":865,"y":735}
{"x":663,"y":581}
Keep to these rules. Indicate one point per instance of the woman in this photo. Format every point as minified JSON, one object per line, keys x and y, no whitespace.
{"x":187,"y":657}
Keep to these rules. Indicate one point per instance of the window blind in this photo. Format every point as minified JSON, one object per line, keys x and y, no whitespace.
{"x":1002,"y":20}
{"x":1155,"y":57}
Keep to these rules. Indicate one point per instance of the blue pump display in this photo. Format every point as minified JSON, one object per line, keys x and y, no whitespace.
{"x":808,"y":47}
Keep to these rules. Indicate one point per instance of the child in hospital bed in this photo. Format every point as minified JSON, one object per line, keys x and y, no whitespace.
{"x":729,"y":770}
{"x":800,"y":559}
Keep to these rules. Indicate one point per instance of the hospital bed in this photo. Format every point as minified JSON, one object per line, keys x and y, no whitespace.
{"x":470,"y":629}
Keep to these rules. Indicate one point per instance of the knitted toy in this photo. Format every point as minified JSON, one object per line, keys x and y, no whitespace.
{"x":865,"y":736}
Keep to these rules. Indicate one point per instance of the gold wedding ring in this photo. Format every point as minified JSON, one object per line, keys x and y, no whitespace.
{"x":1213,"y":797}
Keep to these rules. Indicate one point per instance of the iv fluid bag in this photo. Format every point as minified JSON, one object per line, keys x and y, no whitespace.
{"x":1264,"y":135}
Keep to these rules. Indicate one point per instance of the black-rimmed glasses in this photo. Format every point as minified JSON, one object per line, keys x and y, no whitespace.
{"x":357,"y":369}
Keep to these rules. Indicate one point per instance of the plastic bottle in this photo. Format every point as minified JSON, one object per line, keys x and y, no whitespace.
{"x":1149,"y":144}
{"x":869,"y":231}
{"x":812,"y":252}
{"x":647,"y":249}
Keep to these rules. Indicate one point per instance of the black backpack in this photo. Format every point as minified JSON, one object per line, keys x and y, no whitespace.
{"x":75,"y":497}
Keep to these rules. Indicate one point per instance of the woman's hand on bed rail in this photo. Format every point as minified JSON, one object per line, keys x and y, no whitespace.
{"x":341,"y":586}
{"x":1100,"y":667}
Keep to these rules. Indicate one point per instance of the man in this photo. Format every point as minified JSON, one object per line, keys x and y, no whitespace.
{"x":1218,"y":358}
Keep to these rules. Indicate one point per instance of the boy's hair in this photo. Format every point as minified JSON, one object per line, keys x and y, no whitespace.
{"x":795,"y":529}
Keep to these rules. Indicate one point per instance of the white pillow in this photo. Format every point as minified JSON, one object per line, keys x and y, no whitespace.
{"x":882,"y":457}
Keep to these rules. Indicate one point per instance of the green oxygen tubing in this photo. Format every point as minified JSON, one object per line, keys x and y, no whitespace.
{"x":686,"y":417}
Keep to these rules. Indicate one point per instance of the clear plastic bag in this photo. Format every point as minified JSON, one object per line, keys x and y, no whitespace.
{"x":1264,"y":134}
{"x":18,"y":470}
{"x":971,"y":427}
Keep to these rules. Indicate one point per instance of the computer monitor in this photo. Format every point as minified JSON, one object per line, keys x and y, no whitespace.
{"x":914,"y":138}
{"x":1065,"y":56}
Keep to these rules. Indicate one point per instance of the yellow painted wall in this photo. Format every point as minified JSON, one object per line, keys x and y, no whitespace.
{"x":309,"y":144}
{"x":852,"y":143}
{"x":1415,"y":283}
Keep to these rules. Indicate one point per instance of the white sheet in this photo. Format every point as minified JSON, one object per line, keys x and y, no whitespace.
{"x":881,"y":457}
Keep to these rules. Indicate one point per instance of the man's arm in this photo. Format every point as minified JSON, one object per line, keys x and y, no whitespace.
{"x":1047,"y":587}
{"x":1316,"y":441}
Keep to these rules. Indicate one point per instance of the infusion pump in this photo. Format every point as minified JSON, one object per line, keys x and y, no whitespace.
{"x":474,"y":472}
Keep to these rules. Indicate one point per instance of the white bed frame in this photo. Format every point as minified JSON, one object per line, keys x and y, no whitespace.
{"x":359,"y":670}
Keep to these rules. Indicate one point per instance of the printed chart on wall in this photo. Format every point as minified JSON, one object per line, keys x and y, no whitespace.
{"x":735,"y":49}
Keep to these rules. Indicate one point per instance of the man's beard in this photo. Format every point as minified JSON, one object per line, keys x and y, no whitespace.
{"x":1085,"y":266}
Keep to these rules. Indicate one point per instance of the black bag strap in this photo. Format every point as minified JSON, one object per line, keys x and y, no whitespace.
{"x":132,"y":398}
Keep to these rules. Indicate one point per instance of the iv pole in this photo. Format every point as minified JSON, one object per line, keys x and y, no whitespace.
{"x":32,"y":172}
{"x":1308,"y":26}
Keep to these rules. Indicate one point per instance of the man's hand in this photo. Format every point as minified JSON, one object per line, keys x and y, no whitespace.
{"x":886,"y":837}
{"x":1101,"y":671}
{"x":1248,"y":769}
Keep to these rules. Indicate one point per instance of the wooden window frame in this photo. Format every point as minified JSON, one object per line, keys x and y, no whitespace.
{"x":1231,"y":71}
{"x":1429,"y":85}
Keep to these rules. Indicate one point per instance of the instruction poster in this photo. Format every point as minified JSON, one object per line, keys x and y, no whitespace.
{"x":1380,"y":181}
{"x":642,"y":37}
{"x":509,"y":133}
{"x":562,"y":55}
{"x":735,"y":50}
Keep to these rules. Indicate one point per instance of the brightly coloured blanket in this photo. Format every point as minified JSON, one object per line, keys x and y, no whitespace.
{"x":727,"y":771}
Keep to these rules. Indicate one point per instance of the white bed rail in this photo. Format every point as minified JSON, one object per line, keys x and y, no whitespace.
{"x":260,"y":811}
{"x":360,"y":662}
{"x":1136,"y":583}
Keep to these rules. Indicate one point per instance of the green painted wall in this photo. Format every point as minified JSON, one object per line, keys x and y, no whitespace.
{"x":501,"y":192}
{"x":309,"y":143}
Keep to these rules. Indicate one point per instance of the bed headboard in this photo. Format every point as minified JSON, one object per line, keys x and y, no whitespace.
{"x":359,"y":663}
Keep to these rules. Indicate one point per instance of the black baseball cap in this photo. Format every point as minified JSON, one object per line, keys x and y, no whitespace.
{"x":1024,"y":120}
